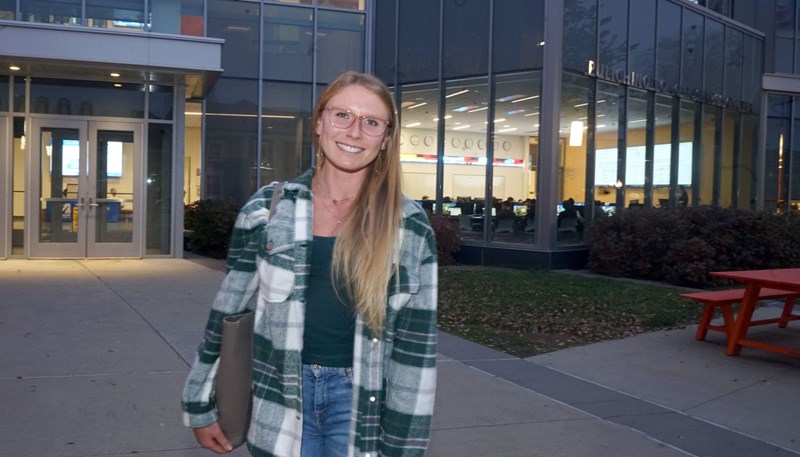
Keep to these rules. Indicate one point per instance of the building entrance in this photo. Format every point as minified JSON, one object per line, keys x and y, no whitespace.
{"x":85,"y":185}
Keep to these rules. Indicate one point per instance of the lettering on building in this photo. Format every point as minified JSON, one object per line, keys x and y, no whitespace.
{"x":647,"y":82}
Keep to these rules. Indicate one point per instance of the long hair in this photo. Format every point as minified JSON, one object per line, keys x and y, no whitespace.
{"x":369,"y":239}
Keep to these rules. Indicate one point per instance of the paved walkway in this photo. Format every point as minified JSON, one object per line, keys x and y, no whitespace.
{"x":94,"y":355}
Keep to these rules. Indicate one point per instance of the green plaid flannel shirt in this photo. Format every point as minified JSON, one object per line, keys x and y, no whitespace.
{"x":394,"y":379}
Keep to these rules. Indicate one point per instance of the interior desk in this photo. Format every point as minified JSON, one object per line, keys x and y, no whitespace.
{"x":783,"y":279}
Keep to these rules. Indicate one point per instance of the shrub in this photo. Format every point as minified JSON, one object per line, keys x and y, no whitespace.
{"x":683,"y":245}
{"x":448,"y":239}
{"x":211,"y":224}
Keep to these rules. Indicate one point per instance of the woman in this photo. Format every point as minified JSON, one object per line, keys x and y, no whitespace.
{"x":343,"y":280}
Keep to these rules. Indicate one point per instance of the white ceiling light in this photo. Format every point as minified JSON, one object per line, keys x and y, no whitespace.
{"x":457,"y":93}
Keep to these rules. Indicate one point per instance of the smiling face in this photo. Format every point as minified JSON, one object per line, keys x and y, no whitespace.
{"x":350,"y":149}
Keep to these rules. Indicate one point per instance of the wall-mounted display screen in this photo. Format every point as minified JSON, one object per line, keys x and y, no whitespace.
{"x":114,"y":159}
{"x":605,"y":173}
{"x":70,"y":157}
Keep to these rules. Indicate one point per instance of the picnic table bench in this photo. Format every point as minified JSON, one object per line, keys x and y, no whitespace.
{"x":725,"y":299}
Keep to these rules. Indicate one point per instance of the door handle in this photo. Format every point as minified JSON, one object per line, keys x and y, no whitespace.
{"x":91,"y":204}
{"x":79,"y":205}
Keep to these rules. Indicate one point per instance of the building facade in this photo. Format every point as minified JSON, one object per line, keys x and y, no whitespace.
{"x":511,"y":112}
{"x":570,"y":110}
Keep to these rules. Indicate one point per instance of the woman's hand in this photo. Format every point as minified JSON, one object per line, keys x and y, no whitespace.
{"x":212,"y":438}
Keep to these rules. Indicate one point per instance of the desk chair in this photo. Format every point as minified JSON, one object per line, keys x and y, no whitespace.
{"x":505,"y":226}
{"x":568,"y":226}
{"x":530,"y":225}
{"x":465,"y":222}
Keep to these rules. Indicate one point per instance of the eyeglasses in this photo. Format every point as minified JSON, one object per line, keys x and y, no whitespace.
{"x":342,"y":118}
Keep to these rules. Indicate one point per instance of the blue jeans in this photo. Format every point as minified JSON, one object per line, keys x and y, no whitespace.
{"x":327,"y":398}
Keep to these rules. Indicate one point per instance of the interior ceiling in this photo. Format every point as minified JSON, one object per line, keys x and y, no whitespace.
{"x":514,"y":105}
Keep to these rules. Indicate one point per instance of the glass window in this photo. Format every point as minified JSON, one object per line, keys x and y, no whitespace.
{"x":516,"y":140}
{"x":607,"y":180}
{"x":720,"y":6}
{"x":572,"y":154}
{"x":692,"y":50}
{"x":752,"y":73}
{"x":662,"y":152}
{"x":793,"y":165}
{"x":730,"y":144}
{"x":237,"y":24}
{"x":668,"y":47}
{"x":688,"y":134}
{"x":580,"y":33}
{"x":288,"y":43}
{"x":231,"y":138}
{"x":8,"y":10}
{"x":465,"y":156}
{"x":419,"y":139}
{"x":285,"y":142}
{"x":635,"y":155}
{"x":121,"y":14}
{"x":707,"y":155}
{"x":466,"y":26}
{"x":191,"y":163}
{"x":614,"y":33}
{"x":183,"y":17}
{"x":19,"y":95}
{"x":303,"y":2}
{"x":340,"y":44}
{"x":159,"y":189}
{"x":348,"y":4}
{"x":19,"y":187}
{"x":778,"y":138}
{"x":66,"y":12}
{"x":419,"y":41}
{"x":85,"y":98}
{"x":784,"y":35}
{"x":746,"y":11}
{"x":734,"y":53}
{"x":643,"y":38}
{"x":4,"y":104}
{"x":161,"y":101}
{"x":714,"y":61}
{"x":518,"y":35}
{"x":747,"y":162}
{"x":386,"y":39}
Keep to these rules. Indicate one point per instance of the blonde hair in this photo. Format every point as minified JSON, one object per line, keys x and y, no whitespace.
{"x":368,"y":240}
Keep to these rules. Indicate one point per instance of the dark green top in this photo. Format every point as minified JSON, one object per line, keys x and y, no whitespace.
{"x":330,"y":321}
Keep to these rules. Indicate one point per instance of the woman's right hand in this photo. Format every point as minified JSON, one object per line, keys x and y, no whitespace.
{"x":212,"y":438}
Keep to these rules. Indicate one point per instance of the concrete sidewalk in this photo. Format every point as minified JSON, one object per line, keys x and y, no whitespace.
{"x":94,"y":356}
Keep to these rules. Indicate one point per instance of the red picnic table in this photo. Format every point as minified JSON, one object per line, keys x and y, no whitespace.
{"x":783,"y":279}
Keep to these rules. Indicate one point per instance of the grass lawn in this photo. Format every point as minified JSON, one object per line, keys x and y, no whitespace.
{"x":524,"y":312}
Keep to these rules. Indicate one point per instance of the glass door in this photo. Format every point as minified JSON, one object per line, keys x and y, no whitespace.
{"x":85,"y":179}
{"x":5,"y":188}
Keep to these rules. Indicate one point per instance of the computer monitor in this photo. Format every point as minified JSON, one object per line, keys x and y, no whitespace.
{"x":445,"y":207}
{"x":454,"y":211}
{"x":520,"y":210}
{"x":559,"y":209}
{"x":467,"y":207}
{"x":609,"y":209}
{"x":494,"y":211}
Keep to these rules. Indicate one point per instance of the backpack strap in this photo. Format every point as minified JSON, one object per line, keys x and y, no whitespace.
{"x":276,"y":197}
